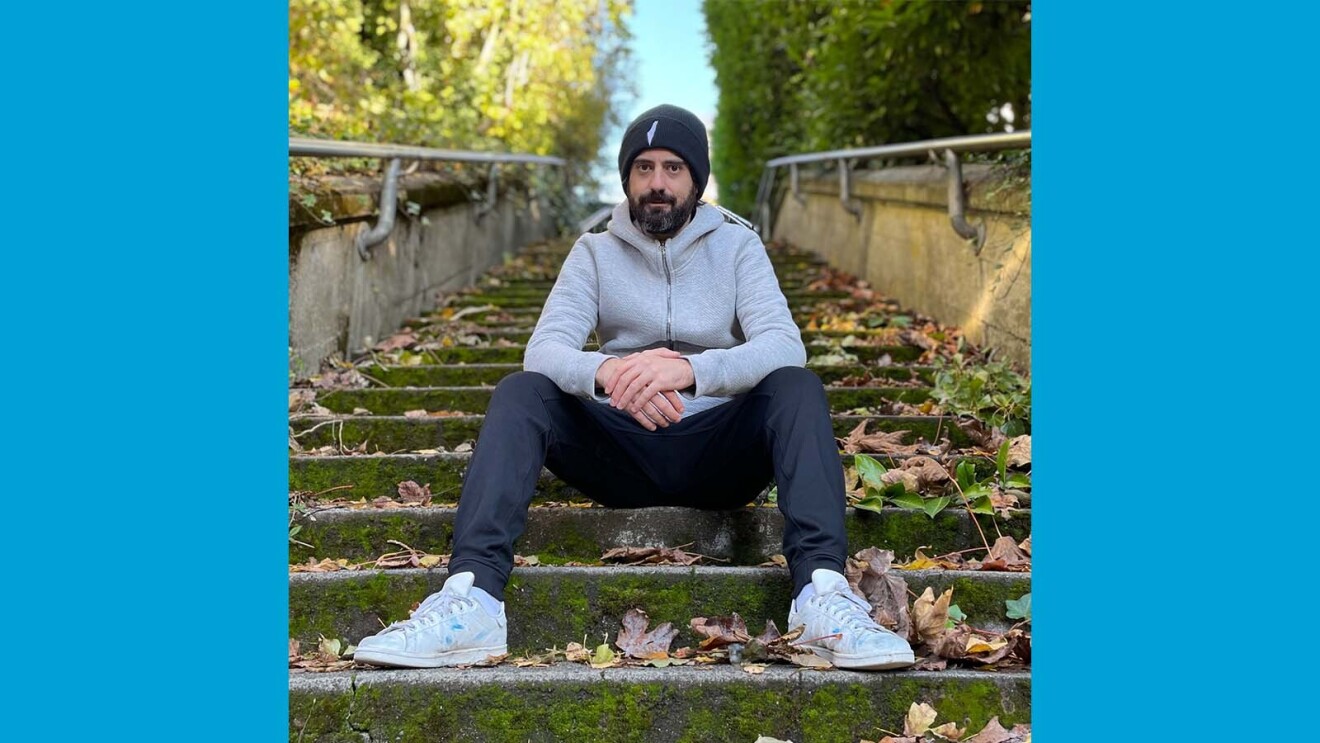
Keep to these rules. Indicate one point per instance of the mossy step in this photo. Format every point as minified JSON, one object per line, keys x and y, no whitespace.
{"x":513,"y":354}
{"x":398,"y":400}
{"x":789,"y":284}
{"x":553,"y":606}
{"x":809,"y":337}
{"x":379,"y":475}
{"x":681,"y":704}
{"x":399,"y":434}
{"x":519,"y":318}
{"x":746,"y":536}
{"x":536,"y":300}
{"x":445,"y":375}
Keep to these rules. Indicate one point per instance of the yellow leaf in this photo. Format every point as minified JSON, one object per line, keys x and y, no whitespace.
{"x":429,"y":561}
{"x":978,"y":645}
{"x":755,"y":668}
{"x":919,"y":718}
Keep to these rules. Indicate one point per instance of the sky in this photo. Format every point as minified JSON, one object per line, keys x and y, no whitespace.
{"x":671,"y":61}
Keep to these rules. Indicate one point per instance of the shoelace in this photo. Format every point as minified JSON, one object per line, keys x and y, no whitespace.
{"x":430,"y":611}
{"x":851,"y":611}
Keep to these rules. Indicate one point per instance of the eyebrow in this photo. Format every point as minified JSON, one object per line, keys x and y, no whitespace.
{"x":649,"y":161}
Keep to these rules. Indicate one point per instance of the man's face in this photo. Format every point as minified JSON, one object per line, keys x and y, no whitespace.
{"x":661,"y":194}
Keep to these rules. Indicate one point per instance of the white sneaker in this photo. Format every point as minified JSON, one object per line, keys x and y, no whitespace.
{"x":839,"y":628}
{"x":450,"y":628}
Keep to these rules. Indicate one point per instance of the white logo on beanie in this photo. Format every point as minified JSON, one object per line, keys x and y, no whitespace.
{"x":650,"y":135}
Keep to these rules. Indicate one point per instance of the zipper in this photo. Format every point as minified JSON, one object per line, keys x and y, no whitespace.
{"x":669,"y":299}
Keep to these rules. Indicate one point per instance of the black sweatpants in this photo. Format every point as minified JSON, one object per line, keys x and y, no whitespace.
{"x":718,"y":459}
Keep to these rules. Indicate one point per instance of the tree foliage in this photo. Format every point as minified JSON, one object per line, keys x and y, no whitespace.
{"x":535,"y":76}
{"x":800,"y":76}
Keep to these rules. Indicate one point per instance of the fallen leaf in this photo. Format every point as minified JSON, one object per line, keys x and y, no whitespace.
{"x":909,"y":480}
{"x":1025,"y":545}
{"x":809,"y":660}
{"x":920,"y":716}
{"x":414,"y":494}
{"x":603,"y":657}
{"x":414,"y":414}
{"x":720,"y":631}
{"x":949,"y":730}
{"x":754,"y":668}
{"x":293,"y":648}
{"x":930,"y":615}
{"x":650,"y":556}
{"x":397,"y":341}
{"x":576,"y":653}
{"x":1019,"y":451}
{"x":930,"y":473}
{"x":869,"y":575}
{"x":899,"y":739}
{"x":979,"y":645}
{"x":859,"y":442}
{"x":993,"y":732}
{"x":1005,"y":550}
{"x":775,"y":560}
{"x":635,"y":641}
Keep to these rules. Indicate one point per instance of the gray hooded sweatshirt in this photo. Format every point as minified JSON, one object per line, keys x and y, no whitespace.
{"x":709,"y":292}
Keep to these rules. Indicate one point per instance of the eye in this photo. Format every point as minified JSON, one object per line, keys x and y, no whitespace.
{"x":674,"y":168}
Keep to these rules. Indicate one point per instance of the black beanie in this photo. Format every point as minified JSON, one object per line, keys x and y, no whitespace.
{"x":671,"y":128}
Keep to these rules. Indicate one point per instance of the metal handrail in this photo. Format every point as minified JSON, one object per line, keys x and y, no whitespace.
{"x":309,"y":147}
{"x":946,"y":148}
{"x":394,"y":153}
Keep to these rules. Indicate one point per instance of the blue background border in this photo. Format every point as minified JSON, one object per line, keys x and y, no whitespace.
{"x":146,"y":301}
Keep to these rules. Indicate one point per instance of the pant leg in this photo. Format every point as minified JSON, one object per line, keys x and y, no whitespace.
{"x":532,"y":423}
{"x":780,"y":429}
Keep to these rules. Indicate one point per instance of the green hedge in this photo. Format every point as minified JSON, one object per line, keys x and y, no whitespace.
{"x":798,"y":76}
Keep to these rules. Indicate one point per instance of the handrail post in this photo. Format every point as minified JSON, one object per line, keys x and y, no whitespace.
{"x":388,"y":195}
{"x":958,"y":204}
{"x":845,"y":188}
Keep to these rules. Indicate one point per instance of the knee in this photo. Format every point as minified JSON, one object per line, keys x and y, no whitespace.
{"x":795,"y":378}
{"x":523,"y":387}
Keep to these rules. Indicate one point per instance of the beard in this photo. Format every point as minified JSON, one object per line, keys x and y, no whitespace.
{"x":658,"y":221}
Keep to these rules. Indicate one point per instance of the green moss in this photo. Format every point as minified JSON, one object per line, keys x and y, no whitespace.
{"x":906,"y":530}
{"x":398,"y":400}
{"x":390,"y":434}
{"x":983,"y":601}
{"x":366,"y":538}
{"x":352,"y":608}
{"x":440,"y":375}
{"x":969,"y":704}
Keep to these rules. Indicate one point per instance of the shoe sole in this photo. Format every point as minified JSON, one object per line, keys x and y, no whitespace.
{"x":881,"y":662}
{"x":442,"y":660}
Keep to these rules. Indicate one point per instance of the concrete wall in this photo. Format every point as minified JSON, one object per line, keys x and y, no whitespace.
{"x":905,"y":246}
{"x":340,"y":304}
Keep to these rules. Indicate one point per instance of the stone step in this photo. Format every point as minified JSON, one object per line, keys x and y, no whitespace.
{"x":680,"y":704}
{"x":536,"y":299}
{"x":467,"y":375}
{"x":399,"y":434}
{"x":398,"y":400}
{"x":553,"y":606}
{"x":746,"y":536}
{"x":809,"y":337}
{"x":373,"y":476}
{"x":512,"y":353}
{"x":525,"y":318}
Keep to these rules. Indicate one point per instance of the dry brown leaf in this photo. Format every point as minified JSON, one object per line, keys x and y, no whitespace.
{"x":870,"y":577}
{"x":929,"y":472}
{"x":1005,"y":550}
{"x":993,"y":732}
{"x":906,"y":478}
{"x":650,"y":556}
{"x":340,"y":379}
{"x":1019,"y":451}
{"x":293,"y":648}
{"x":929,"y":615}
{"x":1025,"y":545}
{"x":949,"y":730}
{"x":397,"y":341}
{"x":300,"y":397}
{"x":414,"y":414}
{"x":636,"y":642}
{"x":720,"y":631}
{"x":859,"y":442}
{"x":775,"y":560}
{"x":920,"y":716}
{"x":576,"y":652}
{"x":899,"y":739}
{"x":413,"y":494}
{"x":809,"y":660}
{"x":755,"y":668}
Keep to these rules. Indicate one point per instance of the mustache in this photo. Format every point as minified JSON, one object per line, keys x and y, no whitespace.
{"x":657,"y":197}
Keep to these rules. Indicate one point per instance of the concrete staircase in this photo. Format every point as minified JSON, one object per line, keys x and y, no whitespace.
{"x":558,"y":602}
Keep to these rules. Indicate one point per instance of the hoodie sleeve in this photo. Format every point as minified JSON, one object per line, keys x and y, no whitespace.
{"x":567,"y":319}
{"x":773,"y":339}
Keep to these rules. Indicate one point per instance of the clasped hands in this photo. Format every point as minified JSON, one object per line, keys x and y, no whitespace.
{"x":645,"y":384}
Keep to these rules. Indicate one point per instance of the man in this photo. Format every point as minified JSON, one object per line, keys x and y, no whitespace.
{"x":698,"y":397}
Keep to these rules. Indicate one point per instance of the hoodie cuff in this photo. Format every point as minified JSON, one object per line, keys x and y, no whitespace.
{"x":589,"y":363}
{"x":705,"y":373}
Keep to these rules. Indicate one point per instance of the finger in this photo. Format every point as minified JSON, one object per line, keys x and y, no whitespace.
{"x":646,"y":422}
{"x":656,"y":415}
{"x":649,"y":393}
{"x":619,"y":369}
{"x":666,"y":408}
{"x":617,"y":396}
{"x":674,"y":400}
{"x":628,"y":396}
